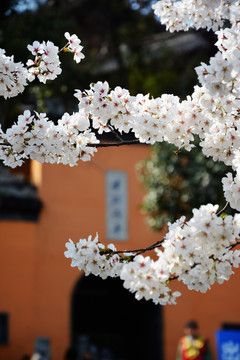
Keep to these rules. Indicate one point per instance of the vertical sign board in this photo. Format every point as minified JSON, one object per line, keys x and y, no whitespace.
{"x":228,"y":344}
{"x":116,"y":205}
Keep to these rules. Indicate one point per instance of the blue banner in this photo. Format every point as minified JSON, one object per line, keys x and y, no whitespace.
{"x":228,"y":344}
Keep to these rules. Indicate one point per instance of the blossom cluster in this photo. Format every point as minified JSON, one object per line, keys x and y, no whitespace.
{"x":210,"y":14}
{"x":93,"y":257}
{"x":212,"y":112}
{"x":151,"y":120}
{"x":13,"y":76}
{"x":231,"y":188}
{"x":74,"y":47}
{"x":45,"y":66}
{"x":36,"y":137}
{"x":197,"y":252}
{"x":215,"y":119}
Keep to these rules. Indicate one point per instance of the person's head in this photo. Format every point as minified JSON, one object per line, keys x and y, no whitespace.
{"x":191,"y":328}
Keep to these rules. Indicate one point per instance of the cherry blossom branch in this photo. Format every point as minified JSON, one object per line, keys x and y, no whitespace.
{"x":108,"y":251}
{"x":122,"y":142}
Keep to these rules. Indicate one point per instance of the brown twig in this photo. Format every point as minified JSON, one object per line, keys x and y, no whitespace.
{"x":122,"y":142}
{"x":230,"y":247}
{"x":136,"y":251}
{"x":220,"y":211}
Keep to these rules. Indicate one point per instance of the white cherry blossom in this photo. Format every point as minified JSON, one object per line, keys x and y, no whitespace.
{"x":13,"y":76}
{"x":74,"y":46}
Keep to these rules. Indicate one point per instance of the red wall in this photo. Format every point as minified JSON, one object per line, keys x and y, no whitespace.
{"x":17,"y":284}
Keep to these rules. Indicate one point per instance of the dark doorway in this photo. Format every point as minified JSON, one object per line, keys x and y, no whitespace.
{"x":110,"y":318}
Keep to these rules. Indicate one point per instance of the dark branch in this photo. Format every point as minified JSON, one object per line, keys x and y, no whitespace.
{"x":136,"y":251}
{"x":122,"y":142}
{"x":230,"y":247}
{"x":5,"y":144}
{"x":115,"y":133}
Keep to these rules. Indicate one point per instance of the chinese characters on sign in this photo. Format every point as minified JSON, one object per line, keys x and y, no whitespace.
{"x":116,"y":205}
